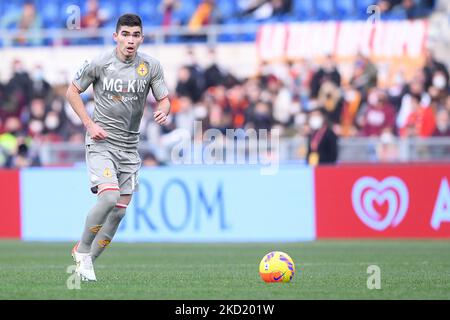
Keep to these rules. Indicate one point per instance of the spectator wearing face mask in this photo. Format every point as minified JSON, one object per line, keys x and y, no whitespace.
{"x":442,"y":124}
{"x":415,"y":88}
{"x":18,"y":91}
{"x":378,"y":115}
{"x":41,"y":88}
{"x":431,"y":67}
{"x":260,"y":117}
{"x":438,"y":90}
{"x":322,"y":141}
{"x":420,"y":122}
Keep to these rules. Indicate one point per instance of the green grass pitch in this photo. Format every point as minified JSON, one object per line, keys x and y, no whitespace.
{"x":325,"y":270}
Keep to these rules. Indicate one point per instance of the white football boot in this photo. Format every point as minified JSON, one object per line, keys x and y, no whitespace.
{"x":84,"y":265}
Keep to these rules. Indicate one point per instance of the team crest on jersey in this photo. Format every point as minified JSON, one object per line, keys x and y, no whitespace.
{"x":107,"y":173}
{"x":142,"y":69}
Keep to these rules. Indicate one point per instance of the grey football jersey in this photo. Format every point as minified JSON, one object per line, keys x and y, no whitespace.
{"x":120,"y":93}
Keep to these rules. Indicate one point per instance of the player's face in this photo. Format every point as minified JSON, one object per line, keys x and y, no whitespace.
{"x":128,"y":40}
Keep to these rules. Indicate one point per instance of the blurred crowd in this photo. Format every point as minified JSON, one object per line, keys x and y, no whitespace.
{"x":29,"y":19}
{"x":33,"y":111}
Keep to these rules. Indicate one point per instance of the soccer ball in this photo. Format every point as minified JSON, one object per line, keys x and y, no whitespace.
{"x":276,"y":266}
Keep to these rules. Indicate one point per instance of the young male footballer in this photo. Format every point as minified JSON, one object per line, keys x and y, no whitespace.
{"x":121,"y":80}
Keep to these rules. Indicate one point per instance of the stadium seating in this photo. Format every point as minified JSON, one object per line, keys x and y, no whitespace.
{"x":54,"y":13}
{"x":325,"y":9}
{"x":303,"y":10}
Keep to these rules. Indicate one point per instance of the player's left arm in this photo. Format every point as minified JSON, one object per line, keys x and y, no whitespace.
{"x":162,"y":111}
{"x":161,"y":94}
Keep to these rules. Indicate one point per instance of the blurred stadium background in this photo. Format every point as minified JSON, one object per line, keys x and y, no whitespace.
{"x":378,"y":69}
{"x":292,"y":57}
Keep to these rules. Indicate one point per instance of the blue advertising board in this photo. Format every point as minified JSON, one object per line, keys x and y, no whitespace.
{"x":178,"y":204}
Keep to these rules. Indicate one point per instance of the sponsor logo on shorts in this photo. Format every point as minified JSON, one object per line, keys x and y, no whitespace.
{"x":107,"y":173}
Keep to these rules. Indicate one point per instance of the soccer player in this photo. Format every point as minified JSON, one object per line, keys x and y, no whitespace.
{"x":121,"y":80}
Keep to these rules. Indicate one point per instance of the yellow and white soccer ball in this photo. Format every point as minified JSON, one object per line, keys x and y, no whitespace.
{"x":277,"y":266}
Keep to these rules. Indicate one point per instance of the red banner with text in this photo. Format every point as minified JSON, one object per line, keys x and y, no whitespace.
{"x":392,"y":201}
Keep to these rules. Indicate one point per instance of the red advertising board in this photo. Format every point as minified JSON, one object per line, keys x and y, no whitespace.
{"x":9,"y":204}
{"x":392,"y":201}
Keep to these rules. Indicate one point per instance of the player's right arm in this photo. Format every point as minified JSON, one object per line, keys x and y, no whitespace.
{"x":73,"y":96}
{"x":83,"y":79}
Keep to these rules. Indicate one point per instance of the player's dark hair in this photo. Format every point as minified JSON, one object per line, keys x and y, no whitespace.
{"x":128,"y":20}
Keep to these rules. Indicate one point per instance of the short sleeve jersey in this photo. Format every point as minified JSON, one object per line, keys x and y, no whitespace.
{"x":120,"y":93}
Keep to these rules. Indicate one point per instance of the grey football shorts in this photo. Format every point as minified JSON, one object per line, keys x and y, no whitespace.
{"x":107,"y":164}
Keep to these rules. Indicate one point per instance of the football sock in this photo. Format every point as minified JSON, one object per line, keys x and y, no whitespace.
{"x":108,"y":230}
{"x":97,"y":215}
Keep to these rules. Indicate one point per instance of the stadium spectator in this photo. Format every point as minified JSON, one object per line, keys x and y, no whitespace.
{"x":412,"y":9}
{"x":41,"y":88}
{"x":8,"y":139}
{"x":260,"y":116}
{"x":281,"y":7}
{"x":214,"y":75}
{"x":187,"y":84}
{"x":350,"y":108}
{"x":218,"y":118}
{"x":18,"y":91}
{"x":330,"y":97}
{"x":415,"y":88}
{"x":203,"y":15}
{"x":238,"y":104}
{"x":322,"y":141}
{"x":36,"y":125}
{"x":14,"y":146}
{"x":2,"y":100}
{"x":378,"y":116}
{"x":264,"y":9}
{"x":431,"y":68}
{"x":442,"y":124}
{"x":420,"y":122}
{"x":365,"y":75}
{"x":169,"y":10}
{"x":387,"y":5}
{"x":184,"y":118}
{"x":327,"y":72}
{"x":284,"y":107}
{"x":27,"y":22}
{"x":22,"y":158}
{"x":94,"y":17}
{"x":386,"y":148}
